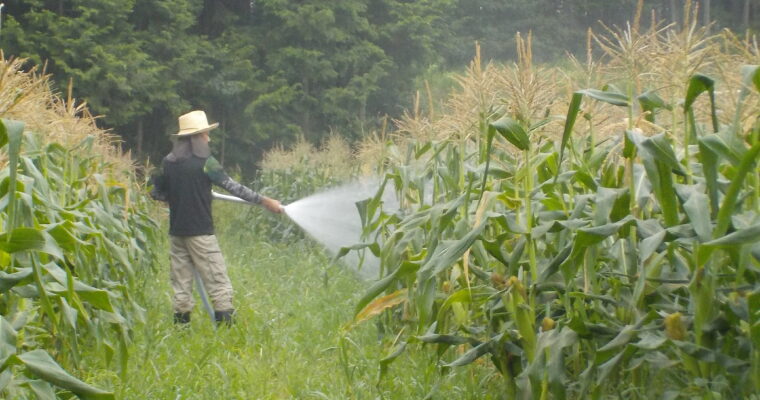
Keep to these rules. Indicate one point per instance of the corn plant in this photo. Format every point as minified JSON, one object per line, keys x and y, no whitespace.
{"x":77,"y":240}
{"x":582,"y":267}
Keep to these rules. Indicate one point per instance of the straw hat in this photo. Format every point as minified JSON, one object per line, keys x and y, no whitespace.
{"x":193,"y":123}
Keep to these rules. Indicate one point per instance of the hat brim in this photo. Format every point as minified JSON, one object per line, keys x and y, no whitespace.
{"x":190,"y":132}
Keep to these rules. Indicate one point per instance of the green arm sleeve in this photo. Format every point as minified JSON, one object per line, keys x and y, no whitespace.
{"x":216,"y":173}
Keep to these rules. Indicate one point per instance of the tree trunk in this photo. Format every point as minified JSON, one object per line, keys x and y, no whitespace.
{"x":224,"y":137}
{"x":745,"y":15}
{"x":306,"y":121}
{"x":673,"y":11}
{"x":139,"y":137}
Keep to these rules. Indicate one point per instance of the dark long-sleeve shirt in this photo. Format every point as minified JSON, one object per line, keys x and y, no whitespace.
{"x":186,"y":185}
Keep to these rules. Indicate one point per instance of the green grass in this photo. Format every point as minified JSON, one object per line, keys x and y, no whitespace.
{"x":292,"y":307}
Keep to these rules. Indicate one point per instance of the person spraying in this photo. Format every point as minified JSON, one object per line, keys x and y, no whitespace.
{"x":184,"y":182}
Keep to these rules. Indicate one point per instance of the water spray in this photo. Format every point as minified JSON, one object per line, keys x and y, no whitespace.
{"x":327,"y":218}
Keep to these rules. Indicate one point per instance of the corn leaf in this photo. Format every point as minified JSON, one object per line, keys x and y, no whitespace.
{"x":659,"y":173}
{"x":739,"y":237}
{"x":39,"y":363}
{"x":614,"y":98}
{"x":475,"y":353}
{"x":623,"y":338}
{"x":662,"y":151}
{"x":727,"y":208}
{"x":42,"y":390}
{"x":98,"y":298}
{"x":651,"y":102}
{"x":695,"y":208}
{"x":13,"y":131}
{"x":649,"y":245}
{"x":9,"y":280}
{"x":572,"y":115}
{"x":7,"y":341}
{"x":23,"y":239}
{"x":378,"y":287}
{"x":379,"y":305}
{"x":699,"y":84}
{"x":512,"y":131}
{"x":751,"y":75}
{"x":448,"y":253}
{"x":451,"y":340}
{"x":725,"y":146}
{"x":711,"y":356}
{"x":709,"y":160}
{"x":397,"y":351}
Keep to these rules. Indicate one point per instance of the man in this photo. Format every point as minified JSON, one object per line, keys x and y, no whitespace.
{"x":185,"y":183}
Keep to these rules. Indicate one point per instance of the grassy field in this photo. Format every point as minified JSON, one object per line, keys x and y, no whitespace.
{"x":289,"y":341}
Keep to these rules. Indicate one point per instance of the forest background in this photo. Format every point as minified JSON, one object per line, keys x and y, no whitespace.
{"x":274,"y":71}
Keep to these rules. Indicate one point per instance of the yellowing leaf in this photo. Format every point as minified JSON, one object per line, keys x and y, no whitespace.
{"x":379,"y":305}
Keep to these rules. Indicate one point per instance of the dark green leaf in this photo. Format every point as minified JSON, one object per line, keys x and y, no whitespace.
{"x":697,"y":85}
{"x":397,"y":351}
{"x":512,"y":131}
{"x":22,"y":239}
{"x":42,"y":390}
{"x":7,"y":341}
{"x":710,"y":356}
{"x":709,"y":160}
{"x":623,"y":338}
{"x":751,"y":75}
{"x":695,"y":207}
{"x":43,"y":366}
{"x":724,"y":146}
{"x":8,"y":281}
{"x":378,"y":287}
{"x":14,"y":131}
{"x":616,"y":99}
{"x":727,"y":208}
{"x":742,"y":236}
{"x":650,"y":341}
{"x":447,"y":339}
{"x":650,"y":102}
{"x":572,"y":115}
{"x":649,"y":245}
{"x":662,"y":151}
{"x":447,"y":253}
{"x":471,"y":355}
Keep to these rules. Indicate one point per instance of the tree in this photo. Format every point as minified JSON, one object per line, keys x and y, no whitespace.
{"x":82,"y":41}
{"x":321,"y":65}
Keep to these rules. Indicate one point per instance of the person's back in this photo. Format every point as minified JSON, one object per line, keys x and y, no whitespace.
{"x":188,"y":190}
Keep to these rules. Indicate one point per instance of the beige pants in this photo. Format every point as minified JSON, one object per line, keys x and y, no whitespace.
{"x":201,"y":253}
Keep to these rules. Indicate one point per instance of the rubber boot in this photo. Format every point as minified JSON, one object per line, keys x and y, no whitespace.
{"x":182,"y":318}
{"x":224,"y":317}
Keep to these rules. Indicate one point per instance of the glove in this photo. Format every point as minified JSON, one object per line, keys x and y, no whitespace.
{"x":272,"y":205}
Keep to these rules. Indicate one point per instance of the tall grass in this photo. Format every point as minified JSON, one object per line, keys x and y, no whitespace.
{"x":288,"y":341}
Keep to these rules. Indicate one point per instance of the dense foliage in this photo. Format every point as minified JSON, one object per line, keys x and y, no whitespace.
{"x":78,"y":241}
{"x":272,"y":70}
{"x":594,"y":236}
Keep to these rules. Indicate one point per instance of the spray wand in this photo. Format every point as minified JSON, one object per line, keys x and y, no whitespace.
{"x":227,"y":197}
